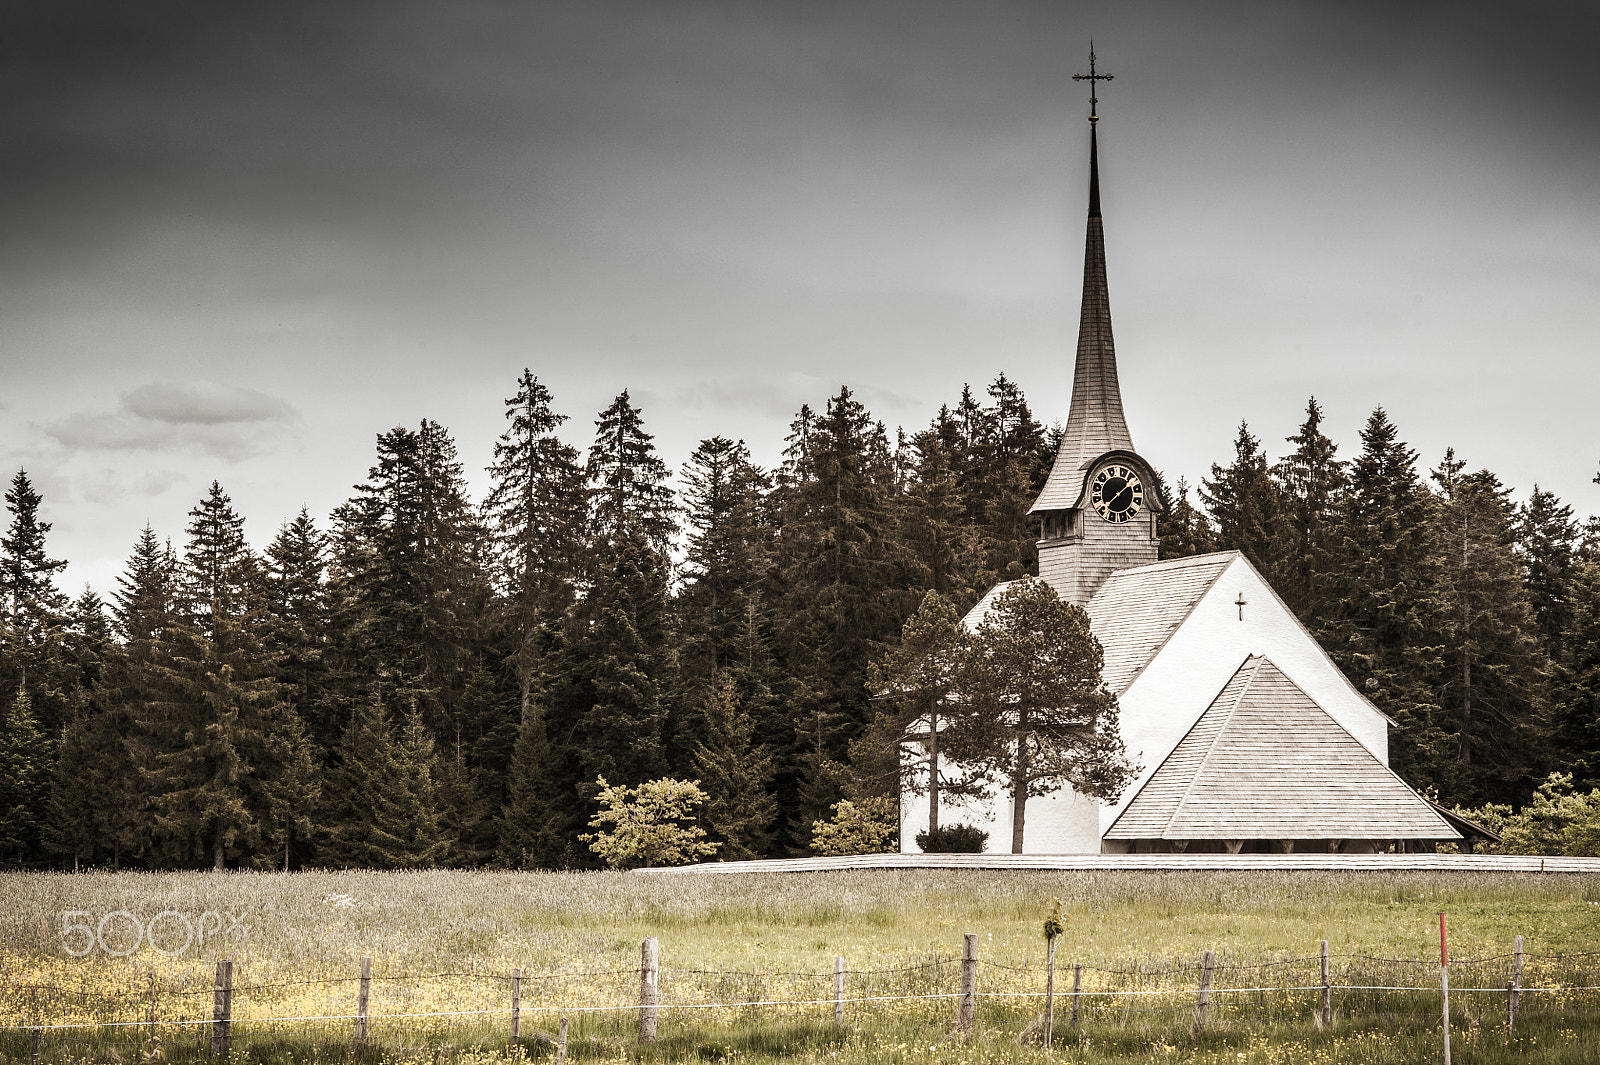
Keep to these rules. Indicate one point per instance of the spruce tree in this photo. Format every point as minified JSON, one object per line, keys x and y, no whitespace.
{"x":1383,"y":621}
{"x":538,"y":825}
{"x":735,"y":772}
{"x":1576,"y":699}
{"x":1311,"y":480}
{"x":628,"y":488}
{"x":33,"y":613}
{"x":1037,"y":715}
{"x":381,"y":811}
{"x":727,"y":554}
{"x":1246,"y":504}
{"x":298,"y":620}
{"x":1547,"y":547}
{"x":1493,"y":679}
{"x":24,"y":784}
{"x":536,"y":512}
{"x":1184,"y":529}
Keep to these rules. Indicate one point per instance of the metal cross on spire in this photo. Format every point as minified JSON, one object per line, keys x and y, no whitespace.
{"x":1091,"y":78}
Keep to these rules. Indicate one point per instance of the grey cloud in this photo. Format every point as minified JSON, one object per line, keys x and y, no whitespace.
{"x":204,"y":404}
{"x":214,"y":420}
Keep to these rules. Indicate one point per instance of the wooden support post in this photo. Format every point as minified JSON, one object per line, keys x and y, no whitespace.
{"x":1327,"y":989}
{"x":362,"y":994}
{"x":152,"y":1002}
{"x":1202,"y":1006}
{"x":222,"y":1008}
{"x":516,"y":1004}
{"x":1514,"y":991}
{"x":36,"y":1037}
{"x":1050,"y":994}
{"x":968,"y":1002}
{"x":1444,"y":985}
{"x":649,"y":989}
{"x":838,"y":991}
{"x":561,"y":1043}
{"x":1077,"y":991}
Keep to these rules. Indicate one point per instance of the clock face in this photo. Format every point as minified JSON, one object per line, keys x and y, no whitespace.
{"x":1117,"y":493}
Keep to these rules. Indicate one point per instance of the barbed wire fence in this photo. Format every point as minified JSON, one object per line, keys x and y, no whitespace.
{"x":948,"y":995}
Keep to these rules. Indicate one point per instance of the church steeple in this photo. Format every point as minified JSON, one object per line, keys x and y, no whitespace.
{"x":1097,"y":508}
{"x":1095,"y":422}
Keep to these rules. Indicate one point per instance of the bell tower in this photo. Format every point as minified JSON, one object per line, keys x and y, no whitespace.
{"x":1097,"y":511}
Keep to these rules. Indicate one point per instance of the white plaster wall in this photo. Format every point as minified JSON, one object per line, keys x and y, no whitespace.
{"x":1063,"y":823}
{"x":1164,"y":701}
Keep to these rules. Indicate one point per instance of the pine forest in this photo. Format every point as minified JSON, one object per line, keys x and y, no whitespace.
{"x":427,"y":679}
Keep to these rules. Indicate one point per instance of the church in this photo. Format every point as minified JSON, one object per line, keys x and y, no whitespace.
{"x":1247,"y":736}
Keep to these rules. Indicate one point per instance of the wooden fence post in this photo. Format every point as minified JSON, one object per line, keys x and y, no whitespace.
{"x":649,"y":989}
{"x":969,"y":981}
{"x":516,"y":1004}
{"x":36,"y":1036}
{"x":1514,"y":991}
{"x":1077,"y":991}
{"x":838,"y":991}
{"x":222,"y":1008}
{"x":561,"y":1044}
{"x":1202,"y":1006}
{"x":1050,"y":994}
{"x":152,"y":1002}
{"x":1327,"y":989}
{"x":362,"y":993}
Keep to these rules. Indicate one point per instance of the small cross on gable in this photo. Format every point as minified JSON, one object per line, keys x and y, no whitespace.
{"x":1241,"y":603}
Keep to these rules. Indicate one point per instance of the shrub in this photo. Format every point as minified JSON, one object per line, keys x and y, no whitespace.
{"x":953,"y":839}
{"x":868,"y":827}
{"x":651,"y":825}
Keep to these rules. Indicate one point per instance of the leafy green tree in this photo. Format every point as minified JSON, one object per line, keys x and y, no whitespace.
{"x":1038,"y":715}
{"x":648,"y":826}
{"x":865,"y":827}
{"x":1311,"y":481}
{"x":736,"y":773}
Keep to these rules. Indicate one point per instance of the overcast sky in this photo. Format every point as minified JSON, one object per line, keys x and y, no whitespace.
{"x":238,"y":241}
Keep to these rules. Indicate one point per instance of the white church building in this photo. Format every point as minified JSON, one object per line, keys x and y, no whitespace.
{"x":1247,"y":736}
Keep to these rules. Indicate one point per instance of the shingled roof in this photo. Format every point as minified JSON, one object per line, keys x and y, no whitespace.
{"x":1137,"y":610}
{"x":1266,"y":762}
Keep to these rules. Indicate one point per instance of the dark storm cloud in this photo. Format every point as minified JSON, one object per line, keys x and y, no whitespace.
{"x":225,"y":423}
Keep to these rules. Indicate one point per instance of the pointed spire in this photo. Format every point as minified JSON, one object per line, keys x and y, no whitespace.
{"x":1095,"y":422}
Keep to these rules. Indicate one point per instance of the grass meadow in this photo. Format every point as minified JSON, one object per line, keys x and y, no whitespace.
{"x":77,"y":950}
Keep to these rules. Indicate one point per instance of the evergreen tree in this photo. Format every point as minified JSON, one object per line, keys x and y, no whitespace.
{"x":536,"y":510}
{"x":1184,"y":529}
{"x":728,"y":553}
{"x":218,"y":746}
{"x":1493,"y":676}
{"x":916,"y":682}
{"x":33,"y":614}
{"x":949,"y":554}
{"x":1576,"y":701}
{"x":382,"y":812}
{"x":628,"y":481}
{"x":1007,"y":472}
{"x":1037,"y":715}
{"x":538,"y":823}
{"x":24,"y":780}
{"x":1383,"y":622}
{"x":1547,"y":547}
{"x":298,"y":620}
{"x":735,"y":773}
{"x":1311,"y":481}
{"x":622,"y":665}
{"x":1246,"y":504}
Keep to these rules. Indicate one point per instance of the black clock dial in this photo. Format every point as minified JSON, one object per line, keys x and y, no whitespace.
{"x":1117,"y":493}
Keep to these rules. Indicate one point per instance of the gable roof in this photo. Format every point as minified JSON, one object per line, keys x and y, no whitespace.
{"x":1137,"y":610}
{"x":1266,"y":762}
